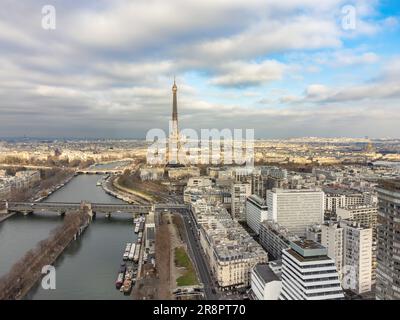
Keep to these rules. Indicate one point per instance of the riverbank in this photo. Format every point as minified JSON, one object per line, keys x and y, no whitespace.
{"x":107,"y":188}
{"x":113,"y":188}
{"x":6,"y":216}
{"x":134,"y":192}
{"x":53,"y":189}
{"x":100,"y":245}
{"x":25,"y":273}
{"x":54,"y":258}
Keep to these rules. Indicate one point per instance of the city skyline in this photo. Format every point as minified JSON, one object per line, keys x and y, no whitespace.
{"x":283,"y":69}
{"x":200,"y":151}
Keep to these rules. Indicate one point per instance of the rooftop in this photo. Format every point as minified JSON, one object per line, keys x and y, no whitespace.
{"x":255,"y":198}
{"x":340,"y":190}
{"x":308,"y":244}
{"x":265,"y":272}
{"x":308,"y":250}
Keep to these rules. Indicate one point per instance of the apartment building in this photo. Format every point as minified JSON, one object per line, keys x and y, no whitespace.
{"x":199,"y":182}
{"x":239,"y":194}
{"x":388,"y":252}
{"x":332,"y":239}
{"x":274,"y":238}
{"x":341,"y":198}
{"x":22,"y":180}
{"x":213,"y":194}
{"x":229,"y":250}
{"x":357,"y":257}
{"x":349,"y":244}
{"x":366,"y":215}
{"x":5,"y":189}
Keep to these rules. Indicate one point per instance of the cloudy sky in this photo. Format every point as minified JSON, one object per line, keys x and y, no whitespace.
{"x":286,"y":68}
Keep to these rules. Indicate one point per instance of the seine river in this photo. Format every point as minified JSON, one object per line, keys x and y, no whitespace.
{"x":89,"y":267}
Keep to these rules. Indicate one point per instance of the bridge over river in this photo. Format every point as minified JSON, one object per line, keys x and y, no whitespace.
{"x":105,"y":208}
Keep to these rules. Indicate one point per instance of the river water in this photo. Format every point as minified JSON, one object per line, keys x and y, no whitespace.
{"x":88,"y":268}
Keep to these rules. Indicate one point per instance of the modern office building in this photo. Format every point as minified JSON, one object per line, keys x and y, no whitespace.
{"x":256,"y":212}
{"x":296,"y":209}
{"x":308,"y":273}
{"x":388,"y":252}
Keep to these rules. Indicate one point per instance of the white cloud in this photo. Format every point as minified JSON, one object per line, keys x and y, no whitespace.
{"x":240,"y":73}
{"x":348,"y":58}
{"x":112,"y":62}
{"x":316,"y":91}
{"x":384,"y":87}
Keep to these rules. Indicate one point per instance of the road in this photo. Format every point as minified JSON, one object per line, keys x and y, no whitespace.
{"x":196,"y":253}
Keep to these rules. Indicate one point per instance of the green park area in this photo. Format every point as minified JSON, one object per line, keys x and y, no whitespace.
{"x":182,"y":260}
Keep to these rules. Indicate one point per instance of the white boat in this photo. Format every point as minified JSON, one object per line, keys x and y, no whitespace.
{"x":127,"y":250}
{"x":137,"y":251}
{"x":131,"y":254}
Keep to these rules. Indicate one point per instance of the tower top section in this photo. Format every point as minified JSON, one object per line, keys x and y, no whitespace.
{"x":174,"y":87}
{"x":174,"y":103}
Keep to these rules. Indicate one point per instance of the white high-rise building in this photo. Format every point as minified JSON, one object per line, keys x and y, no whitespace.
{"x":256,"y":212}
{"x":296,"y":209}
{"x":239,"y":194}
{"x":366,"y":215}
{"x":357,"y":257}
{"x":308,"y":273}
{"x":350,"y":245}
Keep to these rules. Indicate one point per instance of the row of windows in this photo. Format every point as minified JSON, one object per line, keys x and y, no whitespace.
{"x":293,"y":273}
